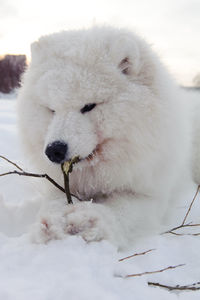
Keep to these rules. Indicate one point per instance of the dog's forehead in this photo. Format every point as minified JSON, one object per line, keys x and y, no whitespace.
{"x":82,"y":66}
{"x":68,"y":48}
{"x":94,"y":46}
{"x":73,"y":83}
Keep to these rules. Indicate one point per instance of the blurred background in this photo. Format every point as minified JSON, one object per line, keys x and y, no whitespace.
{"x":172,"y":27}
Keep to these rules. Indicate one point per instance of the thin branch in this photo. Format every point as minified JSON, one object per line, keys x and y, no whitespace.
{"x":153,"y":272}
{"x":76,"y":197}
{"x":189,"y":209}
{"x":172,"y":231}
{"x":11,"y":162}
{"x":23,"y":173}
{"x":192,"y":287}
{"x":67,"y":190}
{"x":136,"y":254}
{"x":67,"y":168}
{"x":35,"y":175}
{"x":183,"y":234}
{"x":183,"y":225}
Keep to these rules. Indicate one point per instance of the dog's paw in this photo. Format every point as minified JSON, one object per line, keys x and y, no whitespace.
{"x":50,"y":223}
{"x":90,"y":221}
{"x":87,"y":220}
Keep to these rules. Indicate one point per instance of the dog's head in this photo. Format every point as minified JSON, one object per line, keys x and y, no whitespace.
{"x":99,"y":94}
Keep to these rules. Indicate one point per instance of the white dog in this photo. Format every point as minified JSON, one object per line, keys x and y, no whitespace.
{"x":103,"y":95}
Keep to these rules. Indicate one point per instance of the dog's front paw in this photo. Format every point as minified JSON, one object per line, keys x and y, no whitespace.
{"x":92,"y":222}
{"x":87,"y":220}
{"x":50,"y":223}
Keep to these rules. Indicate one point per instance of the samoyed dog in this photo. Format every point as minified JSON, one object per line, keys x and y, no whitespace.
{"x":103,"y":95}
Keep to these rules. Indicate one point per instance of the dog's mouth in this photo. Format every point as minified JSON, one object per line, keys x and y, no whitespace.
{"x":94,"y":153}
{"x":97,"y":152}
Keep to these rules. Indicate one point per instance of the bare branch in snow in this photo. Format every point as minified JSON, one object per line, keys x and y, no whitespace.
{"x":190,"y":287}
{"x":189,"y":209}
{"x":136,"y":254}
{"x":153,"y":272}
{"x":183,"y":224}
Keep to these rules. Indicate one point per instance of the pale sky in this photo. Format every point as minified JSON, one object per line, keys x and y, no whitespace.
{"x":172,"y":27}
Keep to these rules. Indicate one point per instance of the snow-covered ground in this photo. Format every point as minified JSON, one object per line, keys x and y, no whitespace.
{"x":72,"y":269}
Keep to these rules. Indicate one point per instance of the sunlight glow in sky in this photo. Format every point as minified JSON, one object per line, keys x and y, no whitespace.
{"x":171,"y":26}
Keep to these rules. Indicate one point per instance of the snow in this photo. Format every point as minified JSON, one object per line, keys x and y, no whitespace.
{"x":71,"y":268}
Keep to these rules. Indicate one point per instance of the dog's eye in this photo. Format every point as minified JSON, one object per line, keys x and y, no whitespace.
{"x":51,"y":110}
{"x":88,"y":107}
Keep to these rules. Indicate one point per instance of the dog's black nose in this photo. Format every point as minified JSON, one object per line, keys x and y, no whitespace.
{"x":56,"y":151}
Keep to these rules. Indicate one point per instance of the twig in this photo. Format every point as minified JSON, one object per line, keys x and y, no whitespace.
{"x":153,"y":272}
{"x":172,"y":231}
{"x":23,"y":173}
{"x":35,"y":175}
{"x":191,"y":287}
{"x":189,"y":209}
{"x":67,"y":190}
{"x":11,"y":162}
{"x":183,"y":234}
{"x":136,"y":254}
{"x":183,"y":225}
{"x":67,"y":168}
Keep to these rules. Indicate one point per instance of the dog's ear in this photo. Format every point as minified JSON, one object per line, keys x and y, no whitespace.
{"x":141,"y":68}
{"x":125,"y":66}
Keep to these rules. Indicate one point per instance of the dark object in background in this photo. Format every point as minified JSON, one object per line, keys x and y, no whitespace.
{"x":11,"y":69}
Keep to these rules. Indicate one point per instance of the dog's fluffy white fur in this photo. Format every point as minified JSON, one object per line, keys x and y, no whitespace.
{"x":141,"y":129}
